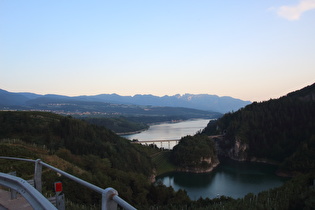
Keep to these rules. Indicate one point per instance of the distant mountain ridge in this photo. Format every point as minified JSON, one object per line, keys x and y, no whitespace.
{"x":195,"y":101}
{"x":7,"y":98}
{"x":200,"y":101}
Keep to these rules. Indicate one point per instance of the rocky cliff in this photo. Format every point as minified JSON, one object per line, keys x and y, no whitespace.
{"x":239,"y":151}
{"x":234,"y":149}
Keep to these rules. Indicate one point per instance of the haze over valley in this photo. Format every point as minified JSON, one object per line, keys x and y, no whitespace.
{"x":205,"y":102}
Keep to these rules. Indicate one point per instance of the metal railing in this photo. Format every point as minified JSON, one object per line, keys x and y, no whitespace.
{"x":110,"y":197}
{"x":35,"y":198}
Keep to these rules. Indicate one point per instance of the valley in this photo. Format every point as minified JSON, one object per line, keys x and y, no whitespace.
{"x":279,"y":130}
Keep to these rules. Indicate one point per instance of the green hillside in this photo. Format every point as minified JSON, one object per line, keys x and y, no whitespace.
{"x":77,"y":136}
{"x":281,"y":130}
{"x":90,"y":152}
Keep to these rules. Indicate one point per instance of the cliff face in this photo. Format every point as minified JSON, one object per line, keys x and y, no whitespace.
{"x":239,"y":151}
{"x":234,"y":149}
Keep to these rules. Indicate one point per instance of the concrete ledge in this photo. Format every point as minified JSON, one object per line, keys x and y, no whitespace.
{"x":7,"y":204}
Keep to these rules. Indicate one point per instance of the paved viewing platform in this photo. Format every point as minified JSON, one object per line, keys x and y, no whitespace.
{"x":16,"y":204}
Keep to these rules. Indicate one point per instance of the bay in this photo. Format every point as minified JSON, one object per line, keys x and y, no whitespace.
{"x":230,"y":178}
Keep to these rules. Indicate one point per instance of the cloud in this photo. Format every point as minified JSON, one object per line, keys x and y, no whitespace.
{"x":295,"y":12}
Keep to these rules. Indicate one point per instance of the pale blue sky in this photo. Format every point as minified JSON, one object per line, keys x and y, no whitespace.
{"x":249,"y":49}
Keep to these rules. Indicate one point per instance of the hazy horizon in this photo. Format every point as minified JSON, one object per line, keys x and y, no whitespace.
{"x":23,"y":92}
{"x":250,"y":50}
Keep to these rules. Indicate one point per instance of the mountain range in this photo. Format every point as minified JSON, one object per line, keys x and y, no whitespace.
{"x":204,"y":102}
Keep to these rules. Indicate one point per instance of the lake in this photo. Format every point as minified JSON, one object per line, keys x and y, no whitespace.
{"x":170,"y":131}
{"x":230,"y":178}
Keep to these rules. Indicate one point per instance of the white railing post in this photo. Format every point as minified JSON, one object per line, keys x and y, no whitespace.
{"x":110,"y":198}
{"x":107,"y":199}
{"x":38,"y":175}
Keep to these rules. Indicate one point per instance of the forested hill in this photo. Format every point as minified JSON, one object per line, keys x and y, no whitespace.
{"x":98,"y":156}
{"x":79,"y":137}
{"x":281,"y":130}
{"x":90,"y":152}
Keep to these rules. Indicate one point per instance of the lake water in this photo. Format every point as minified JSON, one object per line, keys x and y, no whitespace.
{"x":230,"y":178}
{"x":170,"y":131}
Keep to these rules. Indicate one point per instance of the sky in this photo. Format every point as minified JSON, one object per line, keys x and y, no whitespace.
{"x":251,"y":50}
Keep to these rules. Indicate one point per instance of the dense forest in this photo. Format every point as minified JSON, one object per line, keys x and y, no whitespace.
{"x":298,"y":193}
{"x":281,"y":130}
{"x":90,"y":152}
{"x":77,"y":136}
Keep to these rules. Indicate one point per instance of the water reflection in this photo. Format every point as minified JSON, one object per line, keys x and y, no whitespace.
{"x":184,"y":179}
{"x":231,"y":178}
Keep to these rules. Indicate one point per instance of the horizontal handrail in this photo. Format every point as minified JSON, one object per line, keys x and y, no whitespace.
{"x":122,"y":202}
{"x":108,"y":194}
{"x":14,"y":158}
{"x":35,"y":198}
{"x":73,"y":178}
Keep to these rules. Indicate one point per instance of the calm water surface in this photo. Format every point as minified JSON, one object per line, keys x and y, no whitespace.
{"x":230,"y":178}
{"x":170,"y":131}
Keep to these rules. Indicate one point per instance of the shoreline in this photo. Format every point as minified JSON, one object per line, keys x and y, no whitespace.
{"x":278,"y":172}
{"x":149,"y":124}
{"x":132,"y":132}
{"x":158,"y":123}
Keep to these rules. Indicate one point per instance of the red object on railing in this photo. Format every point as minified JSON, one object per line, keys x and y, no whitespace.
{"x":58,"y":187}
